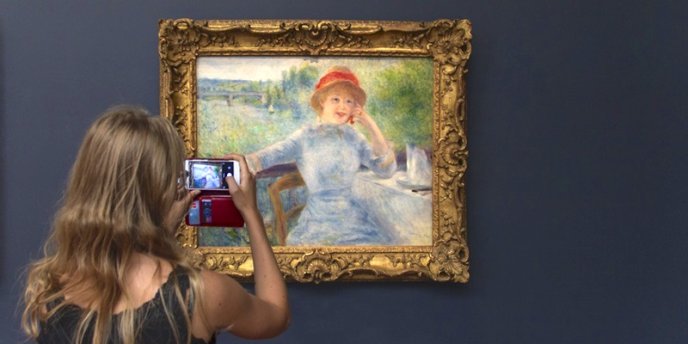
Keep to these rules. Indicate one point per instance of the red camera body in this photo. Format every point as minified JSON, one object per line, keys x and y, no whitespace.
{"x":214,"y":209}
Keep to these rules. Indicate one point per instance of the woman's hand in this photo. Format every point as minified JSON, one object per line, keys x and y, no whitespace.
{"x":243,"y":194}
{"x":362,"y":117}
{"x":378,"y":141}
{"x":179,"y":208}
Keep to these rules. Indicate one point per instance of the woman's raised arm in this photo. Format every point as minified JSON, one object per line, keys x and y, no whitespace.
{"x":226,"y":304}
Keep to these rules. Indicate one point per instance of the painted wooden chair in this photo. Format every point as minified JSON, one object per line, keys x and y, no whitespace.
{"x":285,"y":182}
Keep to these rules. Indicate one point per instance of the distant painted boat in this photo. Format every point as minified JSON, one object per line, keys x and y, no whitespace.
{"x":271,"y":109}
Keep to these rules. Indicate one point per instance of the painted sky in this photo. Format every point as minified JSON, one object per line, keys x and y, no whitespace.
{"x":263,"y":68}
{"x":246,"y":68}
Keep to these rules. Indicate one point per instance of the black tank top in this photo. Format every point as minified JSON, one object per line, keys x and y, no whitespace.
{"x":154,"y":325}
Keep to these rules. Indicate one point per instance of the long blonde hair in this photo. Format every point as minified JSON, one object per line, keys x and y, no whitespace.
{"x":122,"y":184}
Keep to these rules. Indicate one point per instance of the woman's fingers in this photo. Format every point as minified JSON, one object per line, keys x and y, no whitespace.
{"x":191,"y":195}
{"x":231,"y":183}
{"x":246,"y":176}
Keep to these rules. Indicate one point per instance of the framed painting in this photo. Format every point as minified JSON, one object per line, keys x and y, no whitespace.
{"x":355,"y":131}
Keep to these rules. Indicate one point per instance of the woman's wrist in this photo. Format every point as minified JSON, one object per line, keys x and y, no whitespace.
{"x":249,"y":212}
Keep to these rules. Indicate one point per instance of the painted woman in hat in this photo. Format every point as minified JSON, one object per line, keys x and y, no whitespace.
{"x":328,"y":154}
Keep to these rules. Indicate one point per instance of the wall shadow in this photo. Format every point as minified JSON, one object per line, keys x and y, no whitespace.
{"x":3,"y":149}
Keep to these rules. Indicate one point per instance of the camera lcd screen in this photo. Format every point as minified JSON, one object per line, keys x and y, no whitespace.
{"x":207,"y":175}
{"x":203,"y":174}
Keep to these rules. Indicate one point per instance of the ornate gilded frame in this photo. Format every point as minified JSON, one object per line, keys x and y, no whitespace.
{"x":447,"y":42}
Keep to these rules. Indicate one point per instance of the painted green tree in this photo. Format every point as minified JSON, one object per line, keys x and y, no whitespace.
{"x":297,"y":85}
{"x":401,"y":99}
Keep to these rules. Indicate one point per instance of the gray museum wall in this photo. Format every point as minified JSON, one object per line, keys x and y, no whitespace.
{"x":577,"y":199}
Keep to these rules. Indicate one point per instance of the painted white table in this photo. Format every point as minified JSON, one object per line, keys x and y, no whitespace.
{"x":406,"y":215}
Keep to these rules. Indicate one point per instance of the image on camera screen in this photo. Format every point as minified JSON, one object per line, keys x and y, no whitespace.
{"x":206,"y":176}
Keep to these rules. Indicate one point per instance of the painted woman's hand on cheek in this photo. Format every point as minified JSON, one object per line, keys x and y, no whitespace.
{"x":361,"y":116}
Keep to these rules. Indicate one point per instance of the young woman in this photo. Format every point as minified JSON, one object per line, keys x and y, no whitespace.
{"x":112,"y":270}
{"x":328,"y":154}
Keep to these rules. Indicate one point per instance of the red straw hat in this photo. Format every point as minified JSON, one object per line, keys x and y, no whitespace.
{"x":337,"y":76}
